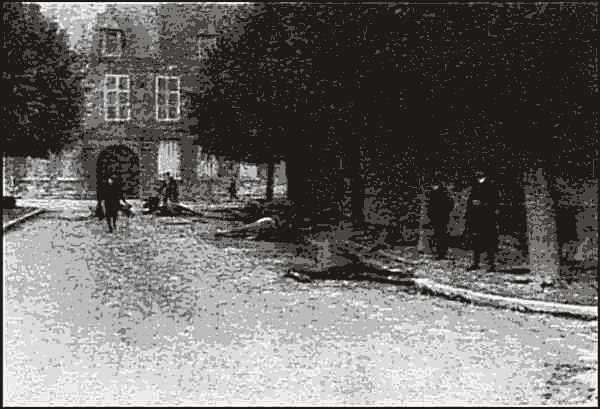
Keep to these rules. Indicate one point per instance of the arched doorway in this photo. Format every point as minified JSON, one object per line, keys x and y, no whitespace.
{"x":122,"y":162}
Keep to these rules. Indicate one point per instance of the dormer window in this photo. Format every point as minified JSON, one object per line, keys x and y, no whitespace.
{"x":207,"y":40}
{"x":112,"y":43}
{"x":205,"y":43}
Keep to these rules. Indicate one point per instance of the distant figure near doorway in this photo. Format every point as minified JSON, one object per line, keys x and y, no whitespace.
{"x":171,"y":190}
{"x":112,"y":195}
{"x":233,"y":189}
{"x":163,"y":190}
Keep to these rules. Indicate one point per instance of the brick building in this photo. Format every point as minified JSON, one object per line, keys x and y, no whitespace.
{"x":144,"y":64}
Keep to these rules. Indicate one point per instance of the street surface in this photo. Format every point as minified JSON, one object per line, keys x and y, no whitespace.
{"x":160,"y":313}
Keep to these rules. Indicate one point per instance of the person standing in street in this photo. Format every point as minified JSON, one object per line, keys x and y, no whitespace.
{"x":233,"y":189}
{"x":163,"y":190}
{"x":99,"y":212}
{"x":112,"y":196}
{"x":440,"y":206}
{"x":172,"y":189}
{"x":481,"y":220}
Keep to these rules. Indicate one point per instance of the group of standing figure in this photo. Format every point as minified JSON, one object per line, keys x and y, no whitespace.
{"x":481,"y":219}
{"x":169,"y":190}
{"x":481,"y":216}
{"x":111,"y":194}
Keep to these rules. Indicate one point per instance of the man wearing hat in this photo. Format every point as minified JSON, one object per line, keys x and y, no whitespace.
{"x":112,"y":196}
{"x":481,"y":223}
{"x":439,"y":208}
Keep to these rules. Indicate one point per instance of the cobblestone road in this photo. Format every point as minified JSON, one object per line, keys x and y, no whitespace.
{"x":161,"y":313}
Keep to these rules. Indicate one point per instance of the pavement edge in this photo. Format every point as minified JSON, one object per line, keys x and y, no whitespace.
{"x":430,"y":287}
{"x":7,"y":226}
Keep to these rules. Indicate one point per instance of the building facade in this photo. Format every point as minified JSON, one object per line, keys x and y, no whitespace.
{"x":144,"y":65}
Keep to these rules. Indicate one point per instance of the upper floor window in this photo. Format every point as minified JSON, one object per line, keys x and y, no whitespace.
{"x":206,"y":42}
{"x":112,"y":43}
{"x":116,"y":98}
{"x":168,"y":98}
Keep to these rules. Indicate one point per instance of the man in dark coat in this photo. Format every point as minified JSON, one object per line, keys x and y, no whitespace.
{"x":481,"y":220}
{"x":172,"y":189}
{"x":163,"y":190}
{"x":440,"y":206}
{"x":112,"y":195}
{"x":233,"y":189}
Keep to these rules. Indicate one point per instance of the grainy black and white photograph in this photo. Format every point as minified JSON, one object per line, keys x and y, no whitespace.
{"x":300,"y":204}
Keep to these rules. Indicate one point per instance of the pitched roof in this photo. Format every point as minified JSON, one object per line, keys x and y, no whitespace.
{"x":77,"y":19}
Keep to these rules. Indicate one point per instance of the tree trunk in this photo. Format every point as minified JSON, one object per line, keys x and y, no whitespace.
{"x":294,"y":168}
{"x":4,"y":177}
{"x":357,"y":200}
{"x":270,"y":179}
{"x":543,"y":247}
{"x":424,"y":244}
{"x":210,"y":194}
{"x":290,"y":174}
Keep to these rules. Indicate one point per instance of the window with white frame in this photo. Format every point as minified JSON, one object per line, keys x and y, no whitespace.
{"x":206,"y":165}
{"x":69,"y":164}
{"x":168,"y":98}
{"x":112,"y":43}
{"x":116,"y":98}
{"x":168,"y":159}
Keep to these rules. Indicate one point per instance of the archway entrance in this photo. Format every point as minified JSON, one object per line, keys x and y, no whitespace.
{"x":122,"y":162}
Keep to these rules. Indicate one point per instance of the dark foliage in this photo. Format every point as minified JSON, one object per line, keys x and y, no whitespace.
{"x":455,"y":86}
{"x":41,"y":109}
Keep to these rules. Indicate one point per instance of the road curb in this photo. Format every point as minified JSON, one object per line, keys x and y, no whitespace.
{"x":428,"y":286}
{"x":7,"y":226}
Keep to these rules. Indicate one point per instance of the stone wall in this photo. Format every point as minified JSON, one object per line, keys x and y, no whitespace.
{"x":53,"y":178}
{"x":58,"y":176}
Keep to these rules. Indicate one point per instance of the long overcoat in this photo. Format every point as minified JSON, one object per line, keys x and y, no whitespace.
{"x":481,"y":216}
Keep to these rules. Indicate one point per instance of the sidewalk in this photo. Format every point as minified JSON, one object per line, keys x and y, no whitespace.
{"x":573,"y":293}
{"x":579,"y":288}
{"x":516,"y":289}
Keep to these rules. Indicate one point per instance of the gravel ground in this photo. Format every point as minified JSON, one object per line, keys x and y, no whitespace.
{"x":575,"y":285}
{"x":161,"y":313}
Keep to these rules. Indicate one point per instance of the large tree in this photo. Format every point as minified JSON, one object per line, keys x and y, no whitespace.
{"x":276,"y":87}
{"x":43,"y":101}
{"x":458,"y":85}
{"x":511,"y":85}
